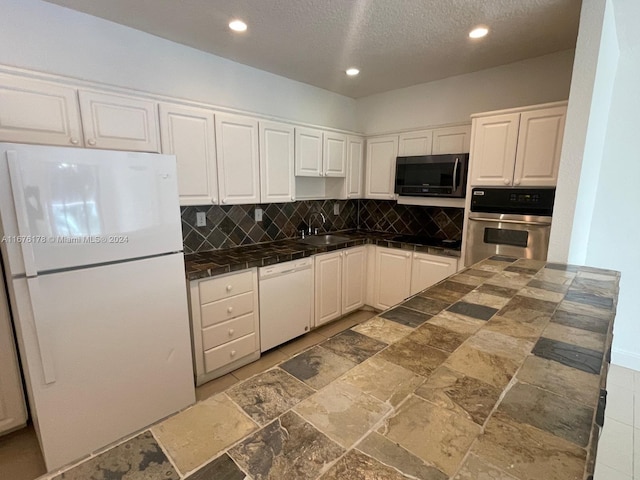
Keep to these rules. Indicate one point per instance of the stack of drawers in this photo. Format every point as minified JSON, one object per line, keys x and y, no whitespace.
{"x":226,"y":323}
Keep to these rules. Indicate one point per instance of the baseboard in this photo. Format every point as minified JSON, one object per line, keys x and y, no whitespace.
{"x":626,"y":359}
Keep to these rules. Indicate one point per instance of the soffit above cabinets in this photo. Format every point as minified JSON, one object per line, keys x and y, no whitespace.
{"x":395,"y":44}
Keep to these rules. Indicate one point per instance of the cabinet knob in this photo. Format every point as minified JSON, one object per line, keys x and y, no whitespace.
{"x":231,"y":332}
{"x":293,"y":199}
{"x":74,"y":141}
{"x":391,"y":195}
{"x":229,"y":288}
{"x":506,"y":181}
{"x":224,"y":200}
{"x":214,"y":201}
{"x":341,"y":253}
{"x":415,"y":255}
{"x":407,"y":255}
{"x":91,"y":142}
{"x":230,"y":309}
{"x":232,"y":353}
{"x":516,"y":181}
{"x":346,"y":253}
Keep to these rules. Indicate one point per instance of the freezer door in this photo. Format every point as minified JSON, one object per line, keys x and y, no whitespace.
{"x":106,"y":351}
{"x":68,"y":207}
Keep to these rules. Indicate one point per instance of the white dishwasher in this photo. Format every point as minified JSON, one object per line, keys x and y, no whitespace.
{"x":286,"y":301}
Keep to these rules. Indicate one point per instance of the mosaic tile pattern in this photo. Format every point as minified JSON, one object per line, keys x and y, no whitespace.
{"x":425,"y":390}
{"x":234,"y":225}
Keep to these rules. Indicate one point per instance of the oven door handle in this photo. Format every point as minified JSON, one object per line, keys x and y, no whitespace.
{"x":455,"y":174}
{"x":518,"y":222}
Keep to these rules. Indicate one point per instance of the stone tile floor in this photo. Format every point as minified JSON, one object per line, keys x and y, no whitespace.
{"x":315,"y":407}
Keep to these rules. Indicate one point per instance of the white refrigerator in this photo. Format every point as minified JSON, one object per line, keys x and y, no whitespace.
{"x":92,"y":249}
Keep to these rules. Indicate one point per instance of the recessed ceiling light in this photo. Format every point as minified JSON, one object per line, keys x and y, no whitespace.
{"x":478,"y":32}
{"x":237,"y":26}
{"x":352,"y":72}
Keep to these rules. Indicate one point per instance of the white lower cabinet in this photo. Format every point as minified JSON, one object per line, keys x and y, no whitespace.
{"x":392,"y":277}
{"x":428,"y":270}
{"x":354,"y":279}
{"x":225,"y":323}
{"x":328,"y":287}
{"x":340,"y":283}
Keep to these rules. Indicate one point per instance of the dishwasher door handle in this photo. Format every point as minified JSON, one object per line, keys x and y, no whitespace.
{"x":517,"y":222}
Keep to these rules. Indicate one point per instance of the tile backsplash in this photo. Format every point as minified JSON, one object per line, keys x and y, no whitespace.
{"x":234,"y":225}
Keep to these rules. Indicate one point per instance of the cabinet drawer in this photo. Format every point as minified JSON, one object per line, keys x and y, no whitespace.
{"x":228,"y":331}
{"x":229,"y":352}
{"x":226,"y":309}
{"x":227,"y":286}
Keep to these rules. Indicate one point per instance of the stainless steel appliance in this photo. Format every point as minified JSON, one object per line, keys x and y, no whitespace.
{"x":509,"y":221}
{"x":432,"y":175}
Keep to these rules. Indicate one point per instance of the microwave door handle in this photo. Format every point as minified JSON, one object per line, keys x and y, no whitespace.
{"x":455,"y":174}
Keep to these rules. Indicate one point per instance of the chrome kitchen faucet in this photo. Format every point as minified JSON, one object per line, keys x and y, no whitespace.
{"x":311,"y":215}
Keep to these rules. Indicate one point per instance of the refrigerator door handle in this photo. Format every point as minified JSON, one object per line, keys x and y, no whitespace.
{"x":46,"y":357}
{"x":26,"y":244}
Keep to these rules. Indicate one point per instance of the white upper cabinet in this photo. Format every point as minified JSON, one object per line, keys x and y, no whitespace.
{"x":495,"y":140}
{"x":119,"y":122}
{"x":33,"y":111}
{"x":415,"y":143}
{"x":539,"y":147}
{"x":355,"y":166}
{"x":334,"y":158}
{"x":308,"y":152}
{"x":238,"y":163}
{"x":520,"y":149}
{"x":381,"y":167}
{"x":451,"y":140}
{"x":276,"y":162}
{"x":189,"y":134}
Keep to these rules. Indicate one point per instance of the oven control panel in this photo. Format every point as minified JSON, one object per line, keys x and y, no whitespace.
{"x":519,"y":201}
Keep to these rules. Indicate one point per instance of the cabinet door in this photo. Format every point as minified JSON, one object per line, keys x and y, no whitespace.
{"x":355,"y":151}
{"x":238,"y":164}
{"x":539,"y":147}
{"x":494,"y":149}
{"x":189,"y":134}
{"x":354,"y":278}
{"x":32,"y":111}
{"x":308,"y":152}
{"x":428,"y":270}
{"x":451,"y":140}
{"x":276,"y":162}
{"x":119,"y":122}
{"x":13,"y":411}
{"x":328,"y":297}
{"x":381,"y":167}
{"x":392,"y":277}
{"x":334,"y":154}
{"x":415,"y":143}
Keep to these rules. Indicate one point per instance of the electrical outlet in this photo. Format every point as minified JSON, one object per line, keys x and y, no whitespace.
{"x":201,"y":219}
{"x":336,"y":209}
{"x":258,"y":214}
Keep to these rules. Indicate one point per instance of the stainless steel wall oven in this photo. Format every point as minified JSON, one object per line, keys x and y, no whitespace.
{"x":509,"y":221}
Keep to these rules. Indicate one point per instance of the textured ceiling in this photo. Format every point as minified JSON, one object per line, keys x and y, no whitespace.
{"x":394,"y":43}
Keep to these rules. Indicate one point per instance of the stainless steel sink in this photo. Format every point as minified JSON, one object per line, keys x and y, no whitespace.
{"x":323,"y":240}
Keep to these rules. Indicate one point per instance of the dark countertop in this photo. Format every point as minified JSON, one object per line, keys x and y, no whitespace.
{"x":216,"y":262}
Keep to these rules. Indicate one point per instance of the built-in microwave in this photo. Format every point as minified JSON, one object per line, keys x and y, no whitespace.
{"x":432,"y":175}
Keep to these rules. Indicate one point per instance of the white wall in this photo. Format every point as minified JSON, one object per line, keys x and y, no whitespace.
{"x":49,"y":38}
{"x":594,"y":72}
{"x":600,"y":149}
{"x":453,"y":100}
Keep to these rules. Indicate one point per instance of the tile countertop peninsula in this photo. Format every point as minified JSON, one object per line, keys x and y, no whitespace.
{"x":495,"y":372}
{"x":216,"y":262}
